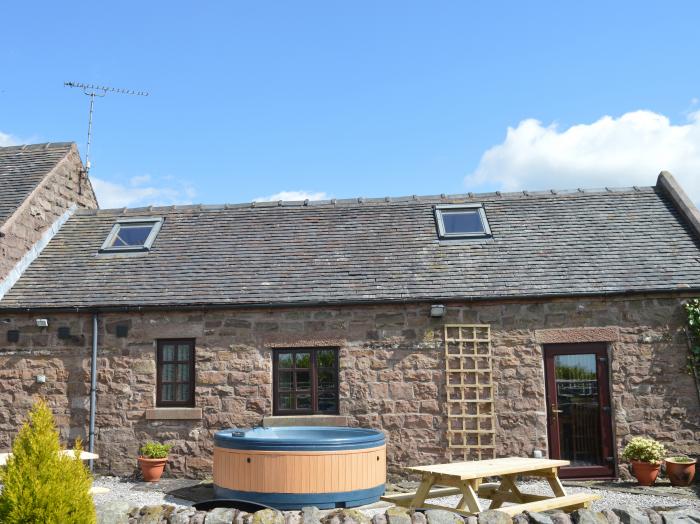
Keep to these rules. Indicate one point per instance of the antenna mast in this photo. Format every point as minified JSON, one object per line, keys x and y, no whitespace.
{"x":92,"y":91}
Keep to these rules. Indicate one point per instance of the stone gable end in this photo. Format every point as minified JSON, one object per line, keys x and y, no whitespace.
{"x":64,"y":186}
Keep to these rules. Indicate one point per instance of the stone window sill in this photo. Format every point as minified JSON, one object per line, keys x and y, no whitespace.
{"x":174,"y":414}
{"x":305,"y":420}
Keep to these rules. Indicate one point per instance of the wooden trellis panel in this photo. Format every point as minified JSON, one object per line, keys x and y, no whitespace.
{"x":471,"y":432}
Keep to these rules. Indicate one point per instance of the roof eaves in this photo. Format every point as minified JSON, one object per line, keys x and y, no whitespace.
{"x":684,"y":290}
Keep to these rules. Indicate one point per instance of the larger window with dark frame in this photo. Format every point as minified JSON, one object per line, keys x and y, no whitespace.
{"x":305,"y":381}
{"x":175,"y":373}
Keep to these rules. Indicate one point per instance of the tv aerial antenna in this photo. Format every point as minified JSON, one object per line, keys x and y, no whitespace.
{"x":93,"y":91}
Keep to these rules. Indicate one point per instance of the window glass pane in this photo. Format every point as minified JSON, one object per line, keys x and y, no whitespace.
{"x":183,"y":372}
{"x":168,"y":392}
{"x":285,"y":402}
{"x":326,"y":358}
{"x":168,"y":373}
{"x":284,"y":360}
{"x":285,"y":380}
{"x":326,"y":379}
{"x":303,"y":380}
{"x":183,"y":392}
{"x":168,"y":352}
{"x":303,"y":401}
{"x":132,"y":235}
{"x":327,"y":404}
{"x":303,"y":360}
{"x":183,"y":352}
{"x":462,"y":222}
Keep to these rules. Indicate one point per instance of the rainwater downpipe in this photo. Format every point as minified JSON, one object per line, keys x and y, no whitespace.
{"x":93,"y":388}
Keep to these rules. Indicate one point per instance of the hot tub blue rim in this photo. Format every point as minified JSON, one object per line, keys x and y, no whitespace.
{"x":287,"y":501}
{"x":369,"y":438}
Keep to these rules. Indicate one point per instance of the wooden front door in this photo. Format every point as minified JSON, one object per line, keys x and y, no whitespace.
{"x":578,"y":409}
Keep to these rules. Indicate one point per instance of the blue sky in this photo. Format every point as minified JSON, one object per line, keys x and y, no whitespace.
{"x":344,"y":99}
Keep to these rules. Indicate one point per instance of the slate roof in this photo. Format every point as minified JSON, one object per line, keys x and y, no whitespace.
{"x":347,"y":251}
{"x":22,"y":168}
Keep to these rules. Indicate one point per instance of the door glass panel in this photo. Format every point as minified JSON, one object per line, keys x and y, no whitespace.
{"x":577,"y":409}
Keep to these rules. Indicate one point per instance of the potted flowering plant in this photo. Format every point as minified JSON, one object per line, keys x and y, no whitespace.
{"x":152,"y":460}
{"x":680,"y":470}
{"x":646,"y":455}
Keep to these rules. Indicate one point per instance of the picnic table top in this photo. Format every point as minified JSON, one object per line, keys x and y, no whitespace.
{"x":489,"y":468}
{"x":84,"y":455}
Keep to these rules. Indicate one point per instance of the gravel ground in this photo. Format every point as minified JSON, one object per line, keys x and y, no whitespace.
{"x":609,"y":499}
{"x":122,"y":490}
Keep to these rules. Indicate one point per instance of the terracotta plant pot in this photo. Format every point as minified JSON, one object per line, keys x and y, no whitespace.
{"x":152,"y":469}
{"x":680,"y":473}
{"x":645,"y":472}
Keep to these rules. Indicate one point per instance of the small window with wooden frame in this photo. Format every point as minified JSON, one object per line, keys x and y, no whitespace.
{"x":175,"y":373}
{"x":305,"y":381}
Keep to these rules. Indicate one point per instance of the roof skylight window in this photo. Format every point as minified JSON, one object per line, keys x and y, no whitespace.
{"x":132,"y":234}
{"x":461,"y":221}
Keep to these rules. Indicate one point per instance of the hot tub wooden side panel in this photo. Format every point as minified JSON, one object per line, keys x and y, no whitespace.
{"x":300,"y":471}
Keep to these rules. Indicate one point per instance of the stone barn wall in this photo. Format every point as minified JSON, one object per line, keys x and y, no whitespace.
{"x":391,"y":373}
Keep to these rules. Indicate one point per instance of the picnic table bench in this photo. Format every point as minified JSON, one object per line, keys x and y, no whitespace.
{"x":467,"y":479}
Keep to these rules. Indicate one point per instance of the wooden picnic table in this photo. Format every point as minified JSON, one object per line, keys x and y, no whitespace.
{"x":467,"y":479}
{"x":84,"y":455}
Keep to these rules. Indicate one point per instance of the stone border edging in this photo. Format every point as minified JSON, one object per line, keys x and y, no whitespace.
{"x":119,"y":512}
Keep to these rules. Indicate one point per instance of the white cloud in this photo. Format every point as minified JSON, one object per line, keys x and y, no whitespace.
{"x":293,"y":196}
{"x":7,"y":140}
{"x":135,"y":193}
{"x":625,"y":151}
{"x":141,"y":180}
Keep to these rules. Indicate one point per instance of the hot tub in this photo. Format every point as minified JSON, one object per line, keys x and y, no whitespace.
{"x":292,"y":467}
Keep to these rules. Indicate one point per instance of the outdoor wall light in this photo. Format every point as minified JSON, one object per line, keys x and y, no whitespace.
{"x":437,"y":310}
{"x":40,"y":379}
{"x":42,"y":322}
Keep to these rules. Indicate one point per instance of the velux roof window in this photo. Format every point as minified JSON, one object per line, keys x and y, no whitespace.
{"x":461,"y":221}
{"x":132,"y":234}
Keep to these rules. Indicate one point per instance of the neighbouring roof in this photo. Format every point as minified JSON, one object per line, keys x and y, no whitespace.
{"x":375,"y":250}
{"x":22,"y":168}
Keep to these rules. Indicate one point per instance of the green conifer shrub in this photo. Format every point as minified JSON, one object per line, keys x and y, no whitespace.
{"x":39,"y":484}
